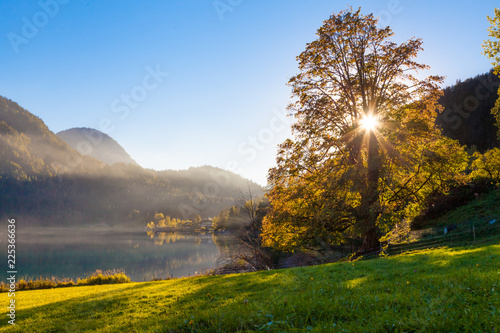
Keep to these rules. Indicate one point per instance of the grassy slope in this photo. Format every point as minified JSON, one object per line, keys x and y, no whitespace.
{"x":434,"y":290}
{"x":479,"y":211}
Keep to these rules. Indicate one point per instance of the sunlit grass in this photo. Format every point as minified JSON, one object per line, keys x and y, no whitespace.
{"x":431,"y":291}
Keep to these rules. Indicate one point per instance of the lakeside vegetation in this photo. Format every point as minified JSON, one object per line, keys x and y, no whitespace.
{"x":162,"y":223}
{"x":446,"y":289}
{"x":98,"y":277}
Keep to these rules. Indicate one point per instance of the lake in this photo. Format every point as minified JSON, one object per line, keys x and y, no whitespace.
{"x":76,"y":252}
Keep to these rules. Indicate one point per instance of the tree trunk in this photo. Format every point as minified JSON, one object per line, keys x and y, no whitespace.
{"x":369,"y":197}
{"x":370,"y":241}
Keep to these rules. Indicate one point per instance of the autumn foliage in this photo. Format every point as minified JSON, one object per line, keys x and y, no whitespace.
{"x":338,"y":180}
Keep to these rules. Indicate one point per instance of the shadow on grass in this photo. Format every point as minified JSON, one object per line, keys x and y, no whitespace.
{"x":442,"y":290}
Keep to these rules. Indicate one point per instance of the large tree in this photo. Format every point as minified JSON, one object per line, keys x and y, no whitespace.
{"x":364,"y":145}
{"x":492,"y":51}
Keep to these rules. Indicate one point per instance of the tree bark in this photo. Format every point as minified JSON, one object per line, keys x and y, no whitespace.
{"x":370,"y":241}
{"x":369,"y":197}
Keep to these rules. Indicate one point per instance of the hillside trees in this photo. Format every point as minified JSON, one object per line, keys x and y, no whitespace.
{"x":487,"y":165}
{"x":365,"y":151}
{"x":466,"y":114}
{"x":492,"y":51}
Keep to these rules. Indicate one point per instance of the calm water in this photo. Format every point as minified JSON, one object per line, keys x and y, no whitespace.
{"x":76,"y":252}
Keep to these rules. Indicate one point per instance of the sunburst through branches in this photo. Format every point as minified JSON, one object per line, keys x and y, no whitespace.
{"x":369,"y":123}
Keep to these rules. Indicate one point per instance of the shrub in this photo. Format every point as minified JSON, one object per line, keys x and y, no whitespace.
{"x":108,"y":277}
{"x":98,"y":277}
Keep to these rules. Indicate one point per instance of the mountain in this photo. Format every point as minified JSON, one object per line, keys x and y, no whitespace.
{"x":44,"y":181}
{"x":97,"y":144}
{"x":28,"y":149}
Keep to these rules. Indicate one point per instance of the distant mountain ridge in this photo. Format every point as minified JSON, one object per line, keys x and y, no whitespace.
{"x":28,"y":149}
{"x":44,"y":181}
{"x":91,"y":142}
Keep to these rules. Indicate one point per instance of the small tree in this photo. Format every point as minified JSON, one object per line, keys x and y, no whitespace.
{"x":168,"y":222}
{"x":220,"y":221}
{"x":159,"y":216}
{"x":247,"y":251}
{"x":486,"y":165}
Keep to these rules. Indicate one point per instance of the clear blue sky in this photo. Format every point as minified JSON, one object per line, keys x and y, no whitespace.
{"x":103,"y":64}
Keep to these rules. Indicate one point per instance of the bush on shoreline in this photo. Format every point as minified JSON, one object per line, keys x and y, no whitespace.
{"x":98,"y":277}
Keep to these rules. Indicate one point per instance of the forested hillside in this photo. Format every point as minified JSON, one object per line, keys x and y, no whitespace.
{"x":44,"y":181}
{"x":466,"y":114}
{"x":29,"y":150}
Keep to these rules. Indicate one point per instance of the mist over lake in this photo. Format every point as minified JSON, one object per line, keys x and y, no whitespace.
{"x":76,"y":252}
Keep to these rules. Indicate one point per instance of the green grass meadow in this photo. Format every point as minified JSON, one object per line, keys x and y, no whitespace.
{"x":439,"y":290}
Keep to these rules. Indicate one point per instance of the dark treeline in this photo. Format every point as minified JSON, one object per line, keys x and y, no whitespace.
{"x":466,"y":114}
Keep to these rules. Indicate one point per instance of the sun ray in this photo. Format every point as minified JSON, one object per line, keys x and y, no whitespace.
{"x":369,"y":123}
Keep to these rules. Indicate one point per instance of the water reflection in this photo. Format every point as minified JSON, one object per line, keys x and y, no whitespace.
{"x":171,"y":237}
{"x":75,"y":252}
